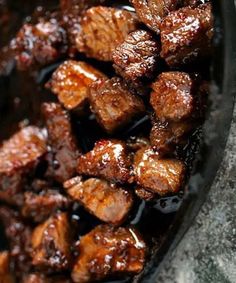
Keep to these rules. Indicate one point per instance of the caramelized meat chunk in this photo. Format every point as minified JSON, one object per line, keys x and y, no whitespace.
{"x":113,"y":104}
{"x":107,"y":250}
{"x":18,"y":157}
{"x":64,"y":151}
{"x":38,"y":207}
{"x":5,"y":274}
{"x":136,"y":58}
{"x":71,"y":82}
{"x":144,"y":194}
{"x":135,"y":143}
{"x":108,"y":160}
{"x":186,"y":34}
{"x":41,"y":278}
{"x":109,"y":202}
{"x":51,"y":244}
{"x":40,"y":44}
{"x":102,"y":29}
{"x":161,"y":176}
{"x":152,"y":12}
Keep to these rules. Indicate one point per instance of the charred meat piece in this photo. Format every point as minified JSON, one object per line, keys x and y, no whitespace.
{"x":113,"y":104}
{"x":71,"y":82}
{"x":136,"y":58}
{"x":107,"y":250}
{"x":186,"y":35}
{"x":161,"y":176}
{"x":19,"y":156}
{"x":51,"y":244}
{"x":102,"y":29}
{"x":18,"y":235}
{"x":144,"y":194}
{"x":41,"y":278}
{"x":109,"y":202}
{"x":5,"y":274}
{"x":38,"y":207}
{"x":64,"y":152}
{"x":152,"y":12}
{"x":39,"y":44}
{"x":108,"y":160}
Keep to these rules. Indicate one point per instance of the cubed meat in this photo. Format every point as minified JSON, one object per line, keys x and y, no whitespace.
{"x":161,"y":176}
{"x":144,"y":194}
{"x":107,"y":250}
{"x":51,"y":244}
{"x":113,"y":104}
{"x":107,"y":201}
{"x":71,"y":82}
{"x":64,"y":152}
{"x":136,"y":58}
{"x":152,"y":12}
{"x":174,"y":96}
{"x":18,"y":235}
{"x":109,"y":159}
{"x":38,"y":207}
{"x":186,"y":34}
{"x":19,"y":156}
{"x":42,"y":278}
{"x":5,"y":274}
{"x":39,"y":44}
{"x":102,"y":29}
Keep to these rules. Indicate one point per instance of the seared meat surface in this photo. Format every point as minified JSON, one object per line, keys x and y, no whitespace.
{"x":5,"y":273}
{"x":113,"y":104}
{"x":107,"y":201}
{"x":107,"y":250}
{"x":41,"y":278}
{"x":144,"y":194}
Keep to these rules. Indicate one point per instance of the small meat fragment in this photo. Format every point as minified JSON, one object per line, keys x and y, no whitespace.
{"x":51,"y":244}
{"x":186,"y":35}
{"x":174,"y":96}
{"x":18,"y":235}
{"x":144,"y":194}
{"x":161,"y":176}
{"x":19,"y":156}
{"x":38,"y":207}
{"x":107,"y":201}
{"x":39,"y":44}
{"x":64,"y":151}
{"x":113,"y":104}
{"x":136,"y":58}
{"x":41,"y":278}
{"x":152,"y":12}
{"x":106,"y":251}
{"x":108,"y":159}
{"x":5,"y":274}
{"x":102,"y":29}
{"x":71,"y":82}
{"x":135,"y":143}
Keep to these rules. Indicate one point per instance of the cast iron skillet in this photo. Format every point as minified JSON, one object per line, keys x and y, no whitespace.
{"x":15,"y":106}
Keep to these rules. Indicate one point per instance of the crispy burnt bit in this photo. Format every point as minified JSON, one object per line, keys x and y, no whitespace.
{"x":42,"y":278}
{"x":102,"y":29}
{"x":107,"y":251}
{"x":108,"y":159}
{"x":18,"y":235}
{"x":161,"y":176}
{"x":113,"y":104}
{"x":152,"y":12}
{"x":64,"y":152}
{"x":71,"y":82}
{"x":144,"y":194}
{"x":19,"y":156}
{"x":108,"y":202}
{"x":38,"y":207}
{"x":39,"y":44}
{"x":51,"y":244}
{"x":186,"y":35}
{"x":5,"y":273}
{"x":136,"y":58}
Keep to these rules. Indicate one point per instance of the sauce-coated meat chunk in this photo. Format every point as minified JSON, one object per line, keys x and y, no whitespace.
{"x":161,"y":176}
{"x":71,"y":82}
{"x":5,"y":274}
{"x":40,"y":44}
{"x":38,"y":207}
{"x":102,"y":29}
{"x":186,"y":34}
{"x":152,"y":12}
{"x":144,"y":194}
{"x":113,"y":104}
{"x":64,"y":152}
{"x":108,"y":160}
{"x":19,"y":156}
{"x":41,"y":278}
{"x":107,"y":201}
{"x":107,"y":250}
{"x":51,"y":244}
{"x":136,"y":58}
